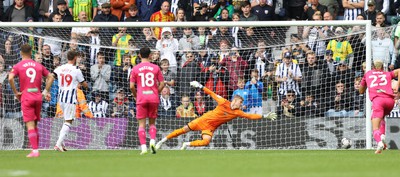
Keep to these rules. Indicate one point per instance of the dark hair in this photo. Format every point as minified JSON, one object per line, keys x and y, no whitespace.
{"x":26,"y":49}
{"x":71,"y":55}
{"x":100,"y":53}
{"x":290,"y":91}
{"x":245,"y":3}
{"x":145,"y":52}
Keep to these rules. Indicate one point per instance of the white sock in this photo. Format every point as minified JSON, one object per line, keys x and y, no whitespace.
{"x":164,"y":139}
{"x":35,"y":151}
{"x":63,"y":133}
{"x":144,"y":147}
{"x":187,"y":143}
{"x":152,"y":141}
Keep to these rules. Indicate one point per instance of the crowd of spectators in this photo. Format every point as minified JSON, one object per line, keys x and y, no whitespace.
{"x":315,"y":74}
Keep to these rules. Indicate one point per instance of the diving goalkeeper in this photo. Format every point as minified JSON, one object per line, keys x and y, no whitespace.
{"x":210,"y":121}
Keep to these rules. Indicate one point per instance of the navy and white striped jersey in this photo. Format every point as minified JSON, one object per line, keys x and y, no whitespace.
{"x":283,"y":71}
{"x":69,"y":76}
{"x":99,"y":109}
{"x":351,"y":14}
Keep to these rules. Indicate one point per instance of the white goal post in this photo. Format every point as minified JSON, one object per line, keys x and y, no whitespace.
{"x":295,"y":132}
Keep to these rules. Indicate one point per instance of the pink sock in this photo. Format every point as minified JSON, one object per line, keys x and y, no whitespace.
{"x":142,"y":135}
{"x":153,"y":132}
{"x":377,"y":135}
{"x":37,"y":135}
{"x":32,"y":135}
{"x":382,"y":128}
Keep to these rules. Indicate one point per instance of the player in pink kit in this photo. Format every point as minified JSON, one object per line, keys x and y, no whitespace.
{"x":148,"y":79}
{"x":381,"y":95}
{"x":30,"y":74}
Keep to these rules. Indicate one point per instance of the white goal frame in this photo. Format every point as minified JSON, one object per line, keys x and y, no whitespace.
{"x":366,"y":23}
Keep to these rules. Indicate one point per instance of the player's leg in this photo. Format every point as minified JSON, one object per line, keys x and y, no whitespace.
{"x":173,"y":134}
{"x":29,"y":117}
{"x":142,"y":135}
{"x":69,"y":116}
{"x":153,"y":108}
{"x":377,"y":134}
{"x":382,"y":129}
{"x":377,"y":116}
{"x":33,"y":138}
{"x":38,"y":109}
{"x":206,"y":139}
{"x":141,"y":115}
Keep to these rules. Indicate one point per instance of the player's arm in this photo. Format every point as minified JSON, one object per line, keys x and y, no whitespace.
{"x":161,"y":86}
{"x":161,"y":81}
{"x":363,"y":86}
{"x":49,"y":82}
{"x":270,"y":115}
{"x":133,"y":89}
{"x":81,"y":79}
{"x":11,"y":77}
{"x":396,"y":72}
{"x":216,"y":97}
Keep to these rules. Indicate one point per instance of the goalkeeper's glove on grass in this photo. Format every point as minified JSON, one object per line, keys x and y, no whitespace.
{"x":270,"y":115}
{"x":196,"y":84}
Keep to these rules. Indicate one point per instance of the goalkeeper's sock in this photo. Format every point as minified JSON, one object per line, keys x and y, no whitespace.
{"x":176,"y":133}
{"x":200,"y":143}
{"x":63,"y":133}
{"x":382,"y":127}
{"x":153,"y":132}
{"x":377,"y":135}
{"x":32,"y":135}
{"x":142,"y":135}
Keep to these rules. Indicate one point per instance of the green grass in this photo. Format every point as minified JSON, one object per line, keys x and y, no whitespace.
{"x":203,"y":163}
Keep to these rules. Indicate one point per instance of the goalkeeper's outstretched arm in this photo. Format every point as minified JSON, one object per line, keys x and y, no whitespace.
{"x":216,"y":97}
{"x":269,"y":115}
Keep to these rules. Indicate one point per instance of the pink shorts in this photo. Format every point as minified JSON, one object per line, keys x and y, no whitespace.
{"x":382,"y":107}
{"x":31,"y":110}
{"x":146,"y":110}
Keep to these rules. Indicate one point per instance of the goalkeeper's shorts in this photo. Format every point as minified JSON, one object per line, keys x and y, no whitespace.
{"x":205,"y":128}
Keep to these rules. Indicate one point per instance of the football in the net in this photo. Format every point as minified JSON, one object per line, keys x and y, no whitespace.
{"x":346,"y":143}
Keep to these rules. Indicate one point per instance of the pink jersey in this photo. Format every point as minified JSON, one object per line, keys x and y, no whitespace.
{"x":30,"y":75}
{"x":379,"y":84}
{"x":147,"y":77}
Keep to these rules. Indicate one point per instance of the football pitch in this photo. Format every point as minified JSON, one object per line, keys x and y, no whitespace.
{"x":202,"y":163}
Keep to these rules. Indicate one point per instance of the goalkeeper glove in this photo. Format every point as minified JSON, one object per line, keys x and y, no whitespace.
{"x":196,"y":84}
{"x":270,"y":115}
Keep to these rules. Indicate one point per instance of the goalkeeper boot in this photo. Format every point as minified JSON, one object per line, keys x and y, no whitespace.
{"x":380,"y":147}
{"x":159,"y":144}
{"x":185,"y":145}
{"x":153,"y":146}
{"x":383,"y":139}
{"x":33,"y":154}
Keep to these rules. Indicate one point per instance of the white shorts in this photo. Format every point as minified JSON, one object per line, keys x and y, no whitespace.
{"x":68,"y":111}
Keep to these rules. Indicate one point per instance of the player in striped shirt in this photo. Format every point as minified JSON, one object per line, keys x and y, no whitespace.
{"x":69,"y":76}
{"x":30,"y":74}
{"x":210,"y":121}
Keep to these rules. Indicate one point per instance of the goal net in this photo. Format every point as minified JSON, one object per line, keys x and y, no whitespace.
{"x":307,"y":72}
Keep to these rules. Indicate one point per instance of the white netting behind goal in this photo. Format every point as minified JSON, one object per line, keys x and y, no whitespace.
{"x":308,"y":75}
